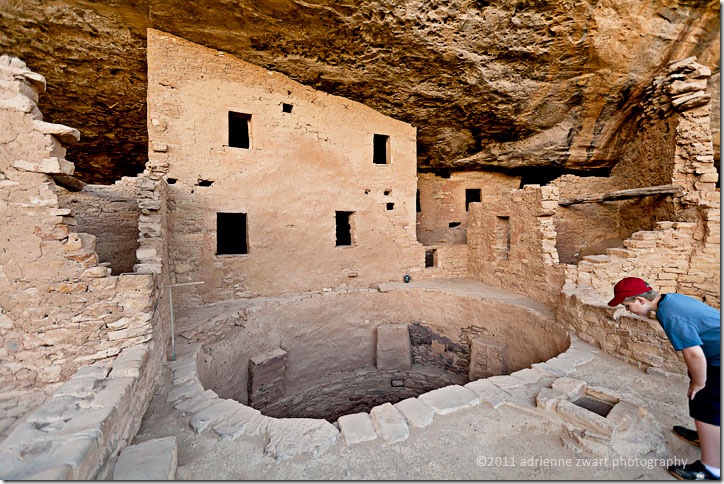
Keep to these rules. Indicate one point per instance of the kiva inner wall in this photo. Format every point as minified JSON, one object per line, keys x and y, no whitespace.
{"x":300,"y":169}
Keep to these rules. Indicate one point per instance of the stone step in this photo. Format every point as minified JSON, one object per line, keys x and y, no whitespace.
{"x":289,"y":437}
{"x":243,"y":420}
{"x":152,"y":460}
{"x":212,"y":413}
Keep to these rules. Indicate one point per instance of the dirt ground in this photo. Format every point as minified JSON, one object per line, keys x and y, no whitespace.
{"x":480,"y":443}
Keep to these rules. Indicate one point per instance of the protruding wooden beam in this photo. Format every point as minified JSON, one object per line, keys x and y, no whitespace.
{"x":623,"y":194}
{"x":68,"y":182}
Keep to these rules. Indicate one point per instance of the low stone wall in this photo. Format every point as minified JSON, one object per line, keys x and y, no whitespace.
{"x":89,"y":419}
{"x":634,"y":339}
{"x":661,"y":257}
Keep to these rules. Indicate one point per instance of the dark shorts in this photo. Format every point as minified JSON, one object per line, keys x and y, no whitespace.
{"x":706,"y":404}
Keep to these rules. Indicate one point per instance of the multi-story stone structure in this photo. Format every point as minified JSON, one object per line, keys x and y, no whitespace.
{"x":258,"y":187}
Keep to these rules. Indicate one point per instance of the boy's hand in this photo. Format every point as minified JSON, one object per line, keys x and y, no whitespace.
{"x":696,"y":363}
{"x":694,"y":387}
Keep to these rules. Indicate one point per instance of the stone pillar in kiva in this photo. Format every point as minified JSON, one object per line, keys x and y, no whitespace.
{"x":393,"y":347}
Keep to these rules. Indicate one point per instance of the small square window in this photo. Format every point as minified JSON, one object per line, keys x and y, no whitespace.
{"x":390,"y":206}
{"x":471,"y":195}
{"x":287,"y":108}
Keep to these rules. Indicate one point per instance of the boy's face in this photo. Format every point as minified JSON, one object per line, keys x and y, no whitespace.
{"x":640,"y":306}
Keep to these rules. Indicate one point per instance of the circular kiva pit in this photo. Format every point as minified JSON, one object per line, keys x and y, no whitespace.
{"x":329,"y":354}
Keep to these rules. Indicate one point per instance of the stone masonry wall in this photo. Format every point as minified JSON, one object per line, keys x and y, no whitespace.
{"x":443,"y":215}
{"x":590,"y":228}
{"x":63,"y":318}
{"x":110,"y":213}
{"x":679,"y":255}
{"x":309,"y":156}
{"x":511,"y":242}
{"x":448,"y":261}
{"x":673,"y":146}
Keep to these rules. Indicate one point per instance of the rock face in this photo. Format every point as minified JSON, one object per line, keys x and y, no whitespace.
{"x":539,"y":88}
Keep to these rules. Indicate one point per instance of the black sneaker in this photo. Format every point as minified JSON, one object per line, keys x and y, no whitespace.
{"x":692,"y":472}
{"x":691,"y":436}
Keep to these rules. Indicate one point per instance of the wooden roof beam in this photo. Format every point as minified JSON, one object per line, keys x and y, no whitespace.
{"x":623,"y":195}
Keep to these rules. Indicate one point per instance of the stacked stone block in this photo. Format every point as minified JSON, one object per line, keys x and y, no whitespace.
{"x":76,"y":434}
{"x":530,"y":265}
{"x":110,"y":213}
{"x":266,"y":378}
{"x":90,"y":341}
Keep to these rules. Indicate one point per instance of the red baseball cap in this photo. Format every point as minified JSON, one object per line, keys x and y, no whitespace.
{"x":627,"y":287}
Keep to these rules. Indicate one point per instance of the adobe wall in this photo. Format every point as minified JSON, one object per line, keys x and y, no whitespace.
{"x":80,"y":348}
{"x":443,"y":215}
{"x":445,"y":262}
{"x":511,"y":242}
{"x":301,"y":167}
{"x":110,"y":213}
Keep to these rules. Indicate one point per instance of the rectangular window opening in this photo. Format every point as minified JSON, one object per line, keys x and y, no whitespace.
{"x":431,"y":258}
{"x":231,"y":234}
{"x":417,"y":201}
{"x":344,"y":228}
{"x":239,"y":130}
{"x":471,"y":195}
{"x":381,"y":154}
{"x":390,"y":206}
{"x":502,"y":237}
{"x":287,"y":108}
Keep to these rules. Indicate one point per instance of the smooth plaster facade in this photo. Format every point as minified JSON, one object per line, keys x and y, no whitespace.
{"x":301,"y":167}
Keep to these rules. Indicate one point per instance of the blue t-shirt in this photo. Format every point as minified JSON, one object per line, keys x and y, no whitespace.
{"x":689,"y":322}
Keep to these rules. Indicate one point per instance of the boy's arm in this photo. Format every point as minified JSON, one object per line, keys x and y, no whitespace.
{"x":696,"y":363}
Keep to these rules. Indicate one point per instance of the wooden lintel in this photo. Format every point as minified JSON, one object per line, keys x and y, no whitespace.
{"x":68,"y":182}
{"x":623,"y":194}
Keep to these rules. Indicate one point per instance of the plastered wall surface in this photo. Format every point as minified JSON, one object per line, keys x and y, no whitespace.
{"x":301,"y":168}
{"x":443,"y":215}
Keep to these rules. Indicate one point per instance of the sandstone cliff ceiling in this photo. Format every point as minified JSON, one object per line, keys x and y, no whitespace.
{"x":541,"y":87}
